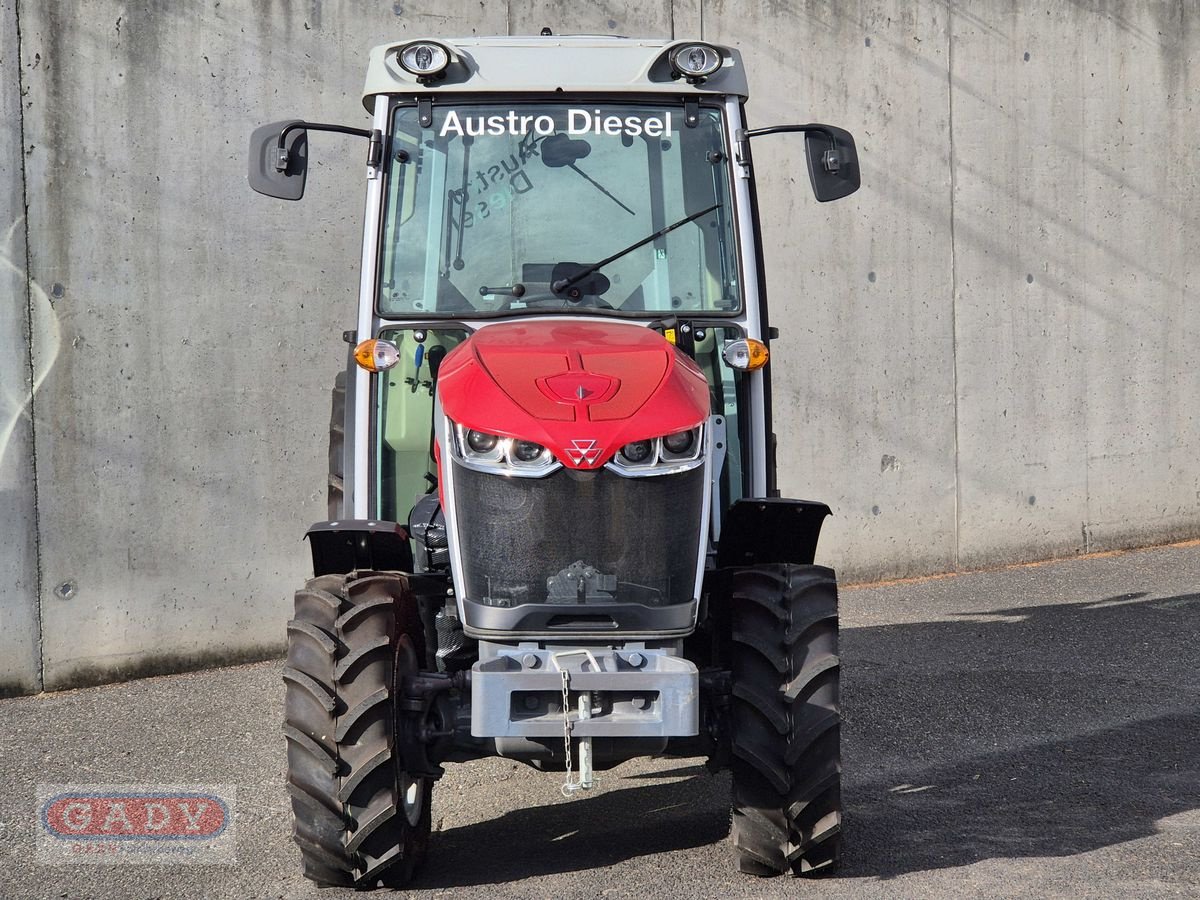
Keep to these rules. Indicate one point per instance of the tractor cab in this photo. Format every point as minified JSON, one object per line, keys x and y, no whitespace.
{"x":508,"y":211}
{"x":552,"y":470}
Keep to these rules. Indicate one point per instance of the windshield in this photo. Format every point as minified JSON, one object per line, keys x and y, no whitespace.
{"x":497,"y":208}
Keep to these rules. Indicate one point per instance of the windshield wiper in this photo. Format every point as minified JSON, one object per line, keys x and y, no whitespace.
{"x":558,"y":150}
{"x":462,"y":207}
{"x":563,"y":284}
{"x":601,"y":188}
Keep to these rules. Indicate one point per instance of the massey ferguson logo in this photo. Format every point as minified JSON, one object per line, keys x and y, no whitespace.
{"x":583,"y":452}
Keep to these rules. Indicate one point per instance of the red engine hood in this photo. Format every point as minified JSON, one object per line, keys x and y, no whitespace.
{"x":582,"y":389}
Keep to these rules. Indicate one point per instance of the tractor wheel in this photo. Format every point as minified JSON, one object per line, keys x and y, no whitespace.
{"x":337,"y":443}
{"x":360,"y":821}
{"x":786,"y":719}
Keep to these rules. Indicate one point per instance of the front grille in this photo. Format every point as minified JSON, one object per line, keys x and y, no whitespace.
{"x":578,"y":538}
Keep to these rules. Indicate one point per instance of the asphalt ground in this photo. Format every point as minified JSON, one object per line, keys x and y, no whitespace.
{"x":1032,"y":731}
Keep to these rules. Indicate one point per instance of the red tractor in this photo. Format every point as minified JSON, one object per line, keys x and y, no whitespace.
{"x":554,"y":529}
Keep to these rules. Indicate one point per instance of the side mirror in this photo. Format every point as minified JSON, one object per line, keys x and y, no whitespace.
{"x":832,"y":157}
{"x":832,"y":162}
{"x":275,"y":173}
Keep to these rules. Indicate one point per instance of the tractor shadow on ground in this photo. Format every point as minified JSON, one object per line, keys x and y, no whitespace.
{"x":592,"y":832}
{"x":1035,"y":732}
{"x":1058,"y":799}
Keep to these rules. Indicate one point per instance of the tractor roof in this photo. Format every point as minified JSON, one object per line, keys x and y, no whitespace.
{"x":574,"y":64}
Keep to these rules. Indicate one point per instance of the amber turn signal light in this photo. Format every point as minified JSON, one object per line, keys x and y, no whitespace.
{"x":746,"y":354}
{"x":376,"y":354}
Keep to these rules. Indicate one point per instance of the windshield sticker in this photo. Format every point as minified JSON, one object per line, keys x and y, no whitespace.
{"x":579,"y":121}
{"x":506,"y":180}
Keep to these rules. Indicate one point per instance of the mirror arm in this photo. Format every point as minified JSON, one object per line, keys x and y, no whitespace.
{"x":778,"y":129}
{"x":375,"y":150}
{"x":830,"y":160}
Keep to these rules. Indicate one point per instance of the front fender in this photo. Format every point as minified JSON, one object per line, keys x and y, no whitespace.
{"x":762,"y":531}
{"x":348,"y":545}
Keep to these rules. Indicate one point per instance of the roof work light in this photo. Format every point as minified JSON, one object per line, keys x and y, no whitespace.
{"x":695,"y":62}
{"x":425,"y":59}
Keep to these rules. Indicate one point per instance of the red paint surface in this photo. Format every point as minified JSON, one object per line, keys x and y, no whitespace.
{"x":523,"y":380}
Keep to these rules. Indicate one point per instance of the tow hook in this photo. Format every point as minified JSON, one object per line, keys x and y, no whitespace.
{"x":585,"y":781}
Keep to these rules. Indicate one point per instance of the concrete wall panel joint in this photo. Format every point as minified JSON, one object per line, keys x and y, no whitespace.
{"x":29,"y":400}
{"x":953,"y":276}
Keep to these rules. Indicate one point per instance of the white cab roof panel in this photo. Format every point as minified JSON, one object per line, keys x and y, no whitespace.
{"x":571,"y":63}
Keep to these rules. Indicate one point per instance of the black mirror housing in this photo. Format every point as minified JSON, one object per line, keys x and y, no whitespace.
{"x":832,"y":162}
{"x":266,"y":175}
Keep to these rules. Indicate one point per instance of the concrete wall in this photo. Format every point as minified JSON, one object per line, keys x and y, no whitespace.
{"x":20,"y":660}
{"x":985,"y":353}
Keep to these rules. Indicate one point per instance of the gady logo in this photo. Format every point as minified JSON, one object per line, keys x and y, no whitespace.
{"x":134,"y":816}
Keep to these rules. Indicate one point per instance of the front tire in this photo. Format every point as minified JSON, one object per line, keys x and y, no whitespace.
{"x":360,"y":821}
{"x":786,"y":720}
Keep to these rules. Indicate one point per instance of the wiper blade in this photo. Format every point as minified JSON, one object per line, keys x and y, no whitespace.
{"x":559,"y":150}
{"x":461,"y":224}
{"x":563,"y":284}
{"x":601,"y":188}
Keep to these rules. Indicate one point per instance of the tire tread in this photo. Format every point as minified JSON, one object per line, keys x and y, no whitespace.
{"x":340,"y":729}
{"x":786,"y":720}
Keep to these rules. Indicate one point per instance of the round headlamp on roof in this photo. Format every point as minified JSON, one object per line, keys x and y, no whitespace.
{"x":425,"y":59}
{"x":695,"y":61}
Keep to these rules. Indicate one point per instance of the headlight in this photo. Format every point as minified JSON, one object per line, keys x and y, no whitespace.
{"x":526,"y":451}
{"x":637,"y":453}
{"x":666,"y":455}
{"x":481,"y":441}
{"x":695,"y":61}
{"x":424,"y":59}
{"x":680,"y":442}
{"x":487,"y":452}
